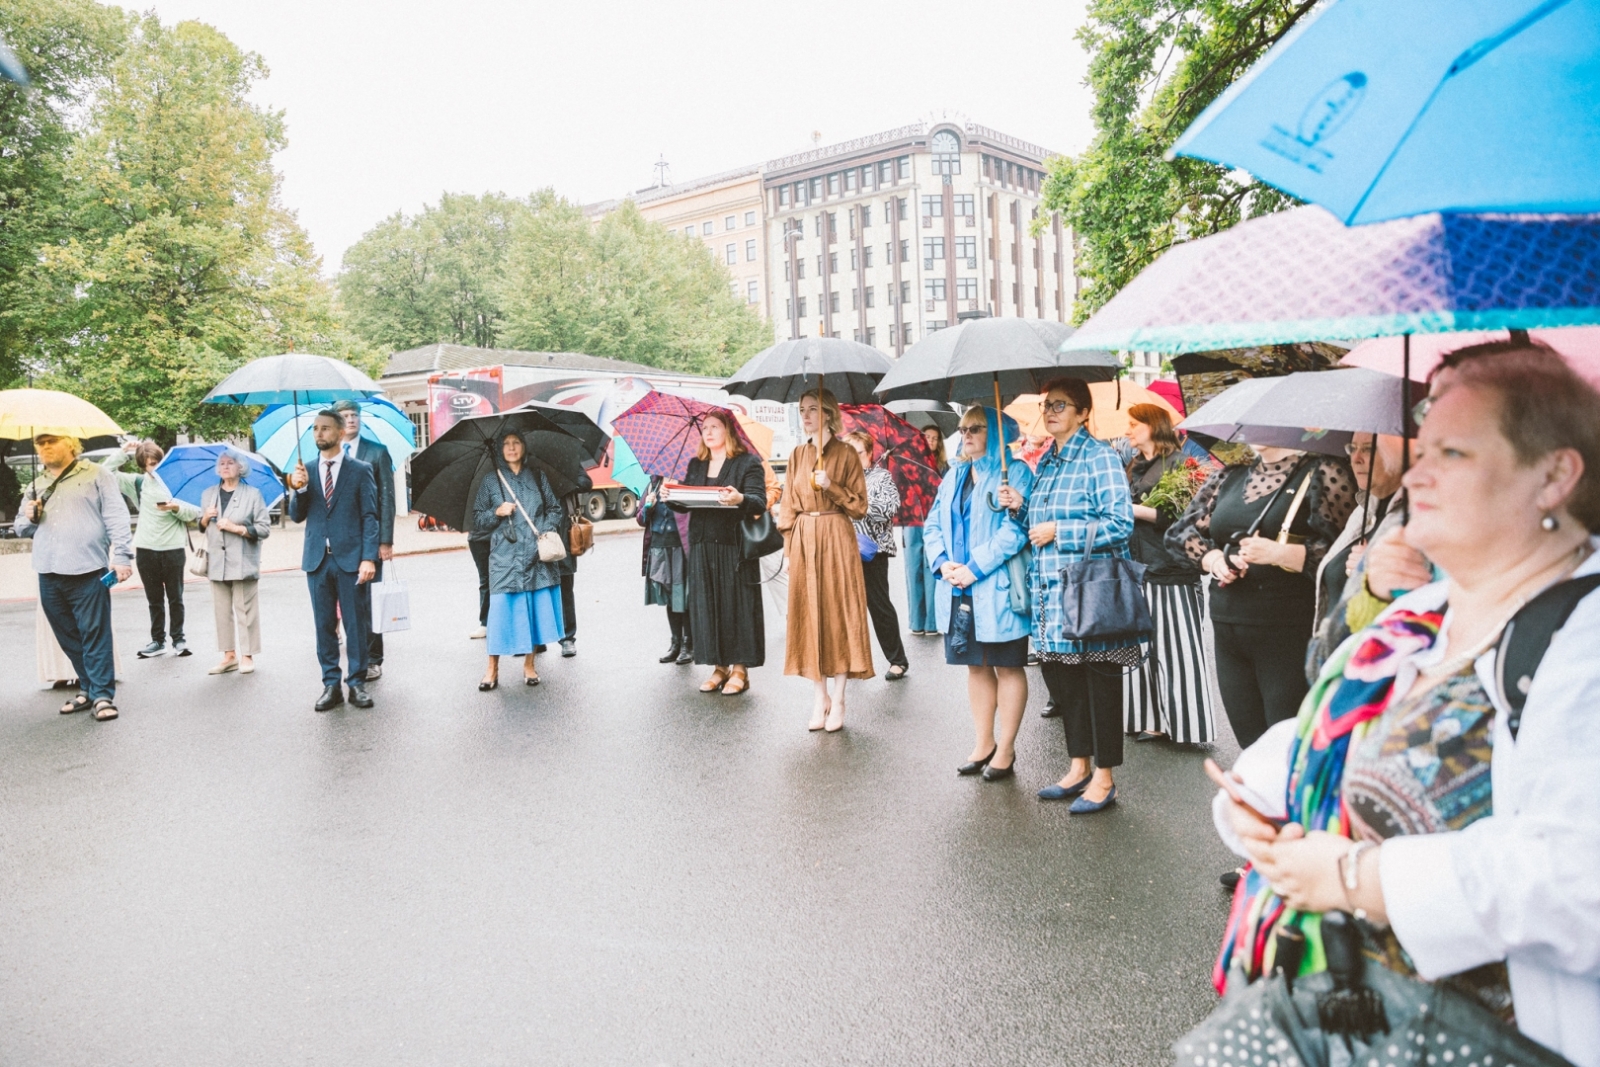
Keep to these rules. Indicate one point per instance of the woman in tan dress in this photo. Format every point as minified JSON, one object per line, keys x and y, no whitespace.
{"x":827,"y":633}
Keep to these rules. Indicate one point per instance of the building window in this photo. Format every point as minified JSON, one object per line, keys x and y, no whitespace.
{"x":855,"y":302}
{"x":946,"y":152}
{"x":885,"y":174}
{"x":688,"y":231}
{"x":854,"y":262}
{"x":904,"y":166}
{"x":872,"y":335}
{"x":816,"y":188}
{"x":933,"y":205}
{"x":707,"y":228}
{"x":819,"y":266}
{"x":905,"y":250}
{"x":731,"y":222}
{"x":833,"y":224}
{"x":749,"y":218}
{"x":866,"y":255}
{"x":799,"y":193}
{"x":753,"y":292}
{"x":750,"y":250}
{"x":966,"y":288}
{"x":965,"y":205}
{"x":905,"y":292}
{"x":796,"y":227}
{"x":866,"y":216}
{"x":933,"y":325}
{"x":818,"y":223}
{"x":783,"y":196}
{"x":867,"y":174}
{"x":802,"y":307}
{"x":933,"y":288}
{"x":733,"y":288}
{"x":833,"y":185}
{"x":833,"y":263}
{"x":870,"y":293}
{"x":933,"y":248}
{"x":786,"y":270}
{"x":833,"y":303}
{"x":967,"y":248}
{"x":800,"y":269}
{"x":905,"y":335}
{"x":850,"y":181}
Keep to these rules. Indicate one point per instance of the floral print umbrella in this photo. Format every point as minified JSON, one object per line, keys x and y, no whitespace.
{"x":904,"y":451}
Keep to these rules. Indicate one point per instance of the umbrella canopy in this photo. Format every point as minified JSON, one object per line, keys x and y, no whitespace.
{"x":1303,"y":276}
{"x":1170,"y":392}
{"x":625,"y":469}
{"x":1378,"y":110}
{"x":760,"y":435}
{"x":189,"y":470}
{"x":292,"y":378}
{"x":1108,"y":420}
{"x":1579,"y":345}
{"x":848,"y":369}
{"x":576,"y":423}
{"x":1232,"y":416}
{"x":663,"y":432}
{"x":446,"y":474}
{"x":381,"y":421}
{"x":963,"y":363}
{"x":925,"y":413}
{"x":902,"y":451}
{"x":26,"y":413}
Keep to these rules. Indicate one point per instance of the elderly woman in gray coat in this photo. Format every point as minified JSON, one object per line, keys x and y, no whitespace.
{"x":235,"y":520}
{"x":524,"y":593}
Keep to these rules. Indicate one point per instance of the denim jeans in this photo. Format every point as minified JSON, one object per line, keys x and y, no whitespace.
{"x":78,"y":608}
{"x":921,"y":585}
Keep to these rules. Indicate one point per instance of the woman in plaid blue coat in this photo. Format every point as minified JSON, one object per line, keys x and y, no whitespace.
{"x":1079,"y":483}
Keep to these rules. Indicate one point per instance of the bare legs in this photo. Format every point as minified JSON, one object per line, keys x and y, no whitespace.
{"x":492,"y":675}
{"x":998,"y":696}
{"x":827,"y":713}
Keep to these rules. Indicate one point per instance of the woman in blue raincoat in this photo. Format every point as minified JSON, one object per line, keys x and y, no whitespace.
{"x":1080,"y":501}
{"x":968,"y":545}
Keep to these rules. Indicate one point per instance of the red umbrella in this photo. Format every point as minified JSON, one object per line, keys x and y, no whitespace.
{"x":904,"y":451}
{"x":663,"y":430}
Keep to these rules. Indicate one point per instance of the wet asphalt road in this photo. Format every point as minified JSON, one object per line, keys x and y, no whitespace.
{"x":608,"y":869}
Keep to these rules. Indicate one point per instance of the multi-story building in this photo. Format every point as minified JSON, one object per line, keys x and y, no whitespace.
{"x":887,"y":238}
{"x":724,"y":212}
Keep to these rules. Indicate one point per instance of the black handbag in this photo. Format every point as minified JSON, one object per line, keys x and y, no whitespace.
{"x":759,"y":536}
{"x":1102,"y":599}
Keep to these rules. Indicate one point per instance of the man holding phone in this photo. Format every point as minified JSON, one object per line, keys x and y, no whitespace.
{"x":78,"y":521}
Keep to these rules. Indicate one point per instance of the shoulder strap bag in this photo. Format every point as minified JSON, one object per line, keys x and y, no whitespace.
{"x":551,"y":550}
{"x":1527,"y":637}
{"x":1102,"y":599}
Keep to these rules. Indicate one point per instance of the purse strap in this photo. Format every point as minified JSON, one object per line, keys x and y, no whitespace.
{"x":513,"y":496}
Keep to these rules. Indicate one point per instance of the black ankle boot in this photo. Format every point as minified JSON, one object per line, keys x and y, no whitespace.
{"x":686,"y":653}
{"x":672,"y":653}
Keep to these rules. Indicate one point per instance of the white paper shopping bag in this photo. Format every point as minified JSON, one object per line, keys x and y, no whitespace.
{"x":391,"y":604}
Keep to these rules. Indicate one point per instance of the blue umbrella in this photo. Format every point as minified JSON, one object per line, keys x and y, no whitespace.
{"x":381,"y":421}
{"x":625,"y":469}
{"x":190,"y":470}
{"x":11,"y":68}
{"x":1378,"y":109}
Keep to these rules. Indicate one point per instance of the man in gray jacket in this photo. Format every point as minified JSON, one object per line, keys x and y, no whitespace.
{"x":78,"y":521}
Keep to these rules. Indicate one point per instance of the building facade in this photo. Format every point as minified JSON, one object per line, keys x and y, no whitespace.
{"x":723,"y":212}
{"x":887,"y":238}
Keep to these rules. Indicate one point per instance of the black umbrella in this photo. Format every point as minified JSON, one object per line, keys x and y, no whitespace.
{"x":446,"y":474}
{"x":925,"y":413}
{"x":790,"y":369}
{"x":981,"y":359}
{"x":576,"y":423}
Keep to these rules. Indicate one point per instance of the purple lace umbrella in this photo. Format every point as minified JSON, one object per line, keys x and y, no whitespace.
{"x":663,"y":431}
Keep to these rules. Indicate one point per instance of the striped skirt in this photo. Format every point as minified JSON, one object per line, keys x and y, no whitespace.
{"x":1171,"y":692}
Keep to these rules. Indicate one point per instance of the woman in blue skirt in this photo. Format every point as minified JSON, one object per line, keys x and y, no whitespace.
{"x":524,"y":593}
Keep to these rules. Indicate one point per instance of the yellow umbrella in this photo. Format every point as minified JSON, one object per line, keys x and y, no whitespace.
{"x":1109,"y":419}
{"x":26,"y":413}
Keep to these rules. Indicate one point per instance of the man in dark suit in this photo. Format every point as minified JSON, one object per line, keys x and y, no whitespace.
{"x":340,"y":509}
{"x":371,"y":452}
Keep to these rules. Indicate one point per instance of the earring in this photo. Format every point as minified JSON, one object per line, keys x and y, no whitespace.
{"x":1549,"y":524}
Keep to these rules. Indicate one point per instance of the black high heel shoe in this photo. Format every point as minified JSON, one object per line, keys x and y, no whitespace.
{"x":484,"y":687}
{"x":967,"y":770}
{"x":992,"y":773}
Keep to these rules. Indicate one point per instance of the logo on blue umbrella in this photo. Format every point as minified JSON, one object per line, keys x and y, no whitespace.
{"x":1323,"y":117}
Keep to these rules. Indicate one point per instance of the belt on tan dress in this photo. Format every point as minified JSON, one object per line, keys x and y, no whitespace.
{"x":814,"y":514}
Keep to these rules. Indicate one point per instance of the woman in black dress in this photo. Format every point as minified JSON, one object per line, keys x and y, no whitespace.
{"x":1265,"y":596}
{"x":725,"y":614}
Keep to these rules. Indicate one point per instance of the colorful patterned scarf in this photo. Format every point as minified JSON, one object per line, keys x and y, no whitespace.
{"x":1353,"y":690}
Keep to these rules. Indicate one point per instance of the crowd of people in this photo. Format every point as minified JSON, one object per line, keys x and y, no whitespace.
{"x":1404,"y":758}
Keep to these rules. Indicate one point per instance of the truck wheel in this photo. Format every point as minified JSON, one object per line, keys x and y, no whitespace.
{"x":595,"y":506}
{"x":627,"y":504}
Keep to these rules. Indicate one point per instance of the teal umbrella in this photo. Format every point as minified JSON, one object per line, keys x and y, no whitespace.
{"x":625,"y":469}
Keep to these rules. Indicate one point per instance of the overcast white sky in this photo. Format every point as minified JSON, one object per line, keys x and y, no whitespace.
{"x":391,"y":103}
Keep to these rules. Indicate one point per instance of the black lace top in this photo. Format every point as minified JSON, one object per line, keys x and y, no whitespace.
{"x":1231,"y":501}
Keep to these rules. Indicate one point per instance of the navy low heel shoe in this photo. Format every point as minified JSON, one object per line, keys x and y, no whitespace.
{"x":1063,"y":792}
{"x":1082,"y":806}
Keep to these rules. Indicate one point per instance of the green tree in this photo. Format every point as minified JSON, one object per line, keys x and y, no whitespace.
{"x":67,"y":46}
{"x":179,"y":262}
{"x":1155,"y":66}
{"x":434,"y":277}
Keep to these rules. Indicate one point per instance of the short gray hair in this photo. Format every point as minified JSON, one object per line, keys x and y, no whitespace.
{"x":240,"y":461}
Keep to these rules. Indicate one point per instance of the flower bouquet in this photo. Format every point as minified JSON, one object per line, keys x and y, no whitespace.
{"x":1176,"y":488}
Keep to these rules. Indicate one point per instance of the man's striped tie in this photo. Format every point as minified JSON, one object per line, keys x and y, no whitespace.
{"x":327,"y":484}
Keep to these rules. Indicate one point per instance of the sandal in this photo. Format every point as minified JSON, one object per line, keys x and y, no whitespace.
{"x":895,"y":673}
{"x":740,"y":677}
{"x":77,"y":703}
{"x":530,"y":679}
{"x":104,"y":711}
{"x":716,"y":681}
